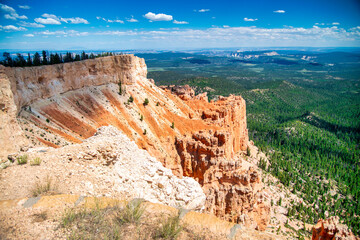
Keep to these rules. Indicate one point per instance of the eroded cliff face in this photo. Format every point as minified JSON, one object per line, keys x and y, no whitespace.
{"x":332,"y":229}
{"x":63,"y":104}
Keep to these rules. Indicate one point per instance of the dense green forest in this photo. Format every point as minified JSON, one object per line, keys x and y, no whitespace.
{"x":305,"y":116}
{"x":47,"y":59}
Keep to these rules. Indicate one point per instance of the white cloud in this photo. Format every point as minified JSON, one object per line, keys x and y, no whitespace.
{"x":249,"y":36}
{"x":24,"y":6}
{"x":67,"y":33}
{"x":14,"y":16}
{"x":279,"y":11}
{"x":116,"y":21}
{"x":29,"y":35}
{"x":180,"y":22}
{"x":109,"y":20}
{"x":75,"y":20}
{"x":55,"y":20}
{"x":132,"y":19}
{"x":204,"y":10}
{"x":27,"y":24}
{"x":158,"y":17}
{"x":46,"y":15}
{"x":250,"y":19}
{"x":11,"y":13}
{"x":335,"y":23}
{"x":50,"y":21}
{"x":7,"y":8}
{"x":11,"y":28}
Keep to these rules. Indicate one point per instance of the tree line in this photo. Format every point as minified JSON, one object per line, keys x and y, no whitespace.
{"x":48,"y":59}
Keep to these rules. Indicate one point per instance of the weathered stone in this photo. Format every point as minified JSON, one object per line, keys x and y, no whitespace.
{"x":331,"y":229}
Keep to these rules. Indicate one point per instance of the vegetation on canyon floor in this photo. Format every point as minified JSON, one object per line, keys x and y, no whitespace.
{"x":303,"y":115}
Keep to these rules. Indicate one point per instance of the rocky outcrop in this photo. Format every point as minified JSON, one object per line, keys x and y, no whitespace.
{"x":63,"y":104}
{"x":230,"y":187}
{"x":331,"y":229}
{"x":183,"y":92}
{"x":141,"y":175}
{"x":12,"y":137}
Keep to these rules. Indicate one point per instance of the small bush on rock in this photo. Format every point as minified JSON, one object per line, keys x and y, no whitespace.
{"x":22,"y":159}
{"x":146,"y":102}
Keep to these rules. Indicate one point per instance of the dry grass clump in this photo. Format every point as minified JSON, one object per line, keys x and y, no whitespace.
{"x":40,"y":217}
{"x":35,"y":162}
{"x":43,"y":188}
{"x":169,"y":229}
{"x":131,"y":213}
{"x":131,"y":221}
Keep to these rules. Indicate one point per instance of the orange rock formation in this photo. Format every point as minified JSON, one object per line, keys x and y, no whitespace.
{"x":331,"y":229}
{"x":66,"y":103}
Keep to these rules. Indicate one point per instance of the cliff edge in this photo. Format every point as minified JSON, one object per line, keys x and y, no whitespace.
{"x":63,"y":104}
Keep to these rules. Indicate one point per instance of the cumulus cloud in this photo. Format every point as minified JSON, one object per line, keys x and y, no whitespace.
{"x":204,"y":10}
{"x":180,"y":22}
{"x":279,"y":11}
{"x":34,"y":25}
{"x":335,"y":23}
{"x":158,"y":17}
{"x":11,"y":13}
{"x":50,"y":21}
{"x":250,"y":19}
{"x":29,"y":35}
{"x":24,"y":6}
{"x":75,"y":20}
{"x":7,"y":8}
{"x":56,"y":20}
{"x":11,"y":28}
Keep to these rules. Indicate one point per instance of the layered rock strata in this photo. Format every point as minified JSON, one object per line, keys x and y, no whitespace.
{"x":62,"y":104}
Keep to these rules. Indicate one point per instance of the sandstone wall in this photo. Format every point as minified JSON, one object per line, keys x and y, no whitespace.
{"x":33,"y":83}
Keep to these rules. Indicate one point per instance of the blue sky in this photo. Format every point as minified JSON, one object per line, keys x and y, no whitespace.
{"x":63,"y":25}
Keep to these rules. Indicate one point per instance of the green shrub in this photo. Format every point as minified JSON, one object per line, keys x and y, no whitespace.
{"x":146,"y":102}
{"x":144,"y":132}
{"x":141,"y":118}
{"x":248,"y":153}
{"x":120,"y":88}
{"x":131,"y":99}
{"x":22,"y":159}
{"x":172,"y":125}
